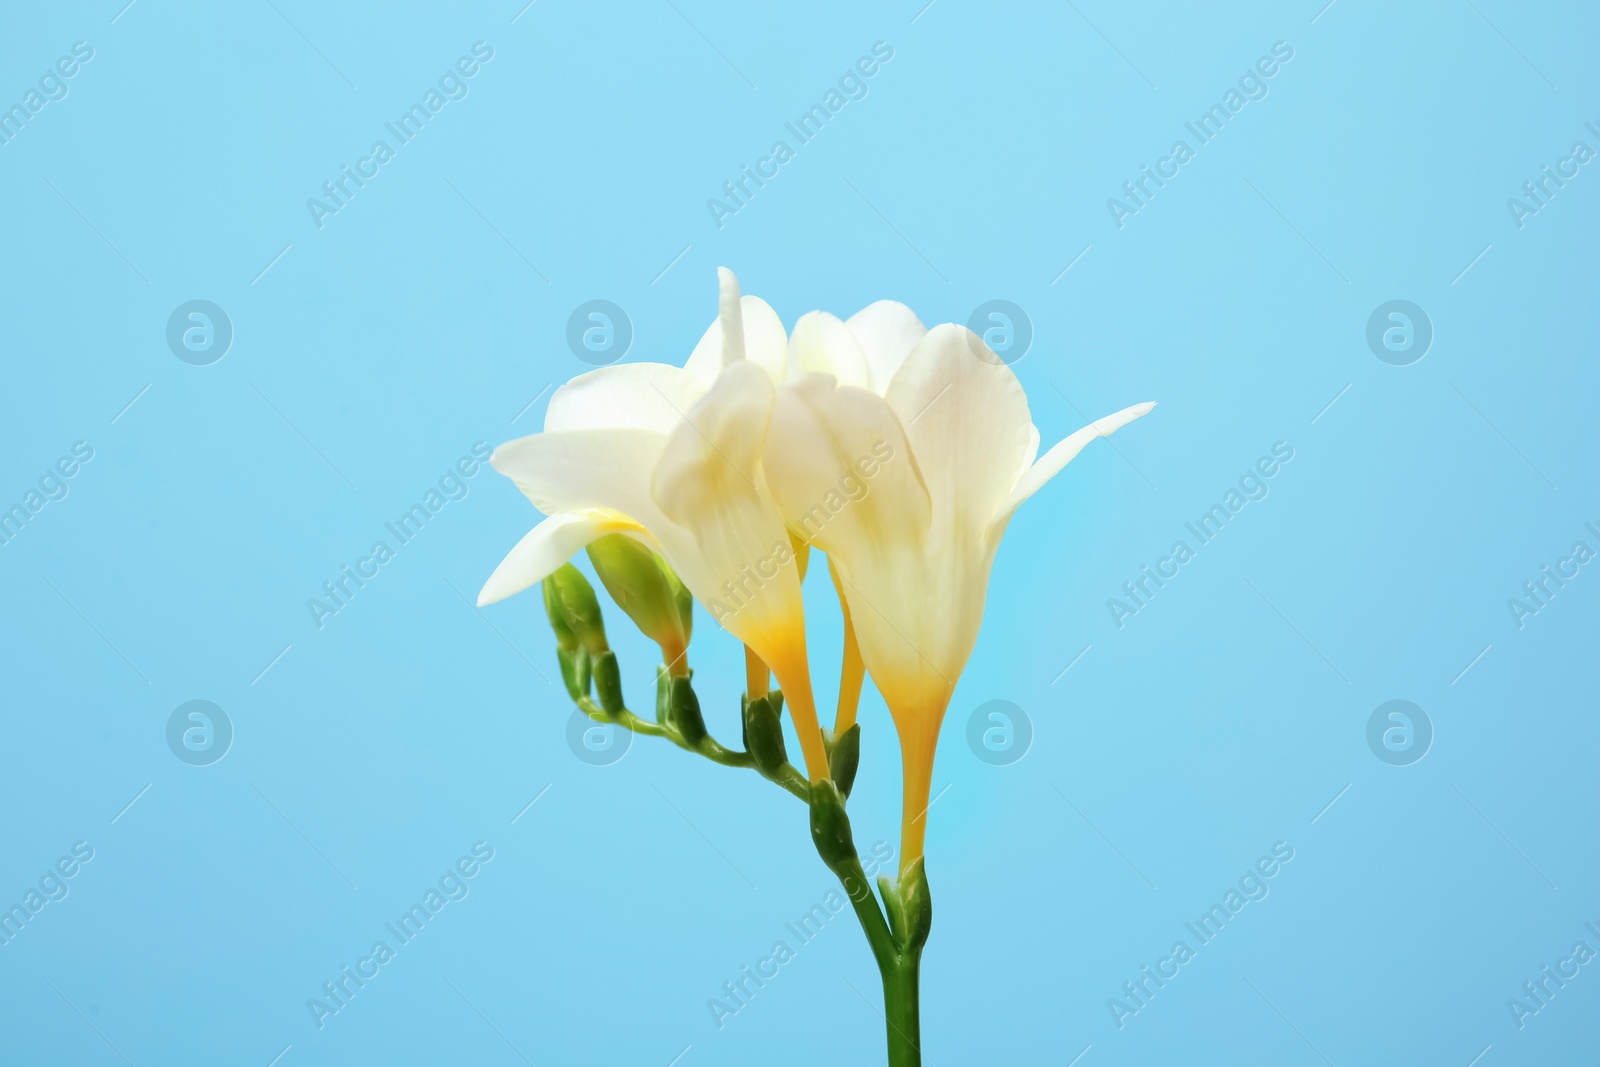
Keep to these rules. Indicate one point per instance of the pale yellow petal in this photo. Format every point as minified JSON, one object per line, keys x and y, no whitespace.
{"x":822,"y":344}
{"x":766,"y":344}
{"x":709,"y":483}
{"x":1051,"y":463}
{"x":586,"y":470}
{"x":887,"y":331}
{"x":545,"y":548}
{"x":843,"y":472}
{"x":641,"y":396}
{"x":968,"y":422}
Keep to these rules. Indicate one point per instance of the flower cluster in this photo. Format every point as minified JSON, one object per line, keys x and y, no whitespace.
{"x":899,"y":451}
{"x":680,"y":480}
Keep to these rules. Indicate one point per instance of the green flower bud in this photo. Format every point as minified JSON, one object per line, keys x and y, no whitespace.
{"x":830,"y":829}
{"x":763,"y":737}
{"x":571,"y":601}
{"x":608,"y":682}
{"x":844,"y":756}
{"x":574,"y":671}
{"x":685,"y":708}
{"x":644,"y":587}
{"x":566,"y":640}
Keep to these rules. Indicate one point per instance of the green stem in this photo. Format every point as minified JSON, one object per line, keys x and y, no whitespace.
{"x":899,"y":967}
{"x":900,"y":1007}
{"x":873,"y":924}
{"x":711,"y":750}
{"x":896,"y":947}
{"x":896,"y":938}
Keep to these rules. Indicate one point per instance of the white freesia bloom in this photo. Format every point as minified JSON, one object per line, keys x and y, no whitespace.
{"x":672,"y":457}
{"x":913,"y":554}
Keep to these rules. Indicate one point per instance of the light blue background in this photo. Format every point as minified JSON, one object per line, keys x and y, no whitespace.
{"x":1222,"y":718}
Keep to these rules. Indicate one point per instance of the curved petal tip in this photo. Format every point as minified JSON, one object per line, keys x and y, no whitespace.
{"x":730,"y":314}
{"x":1050,"y":464}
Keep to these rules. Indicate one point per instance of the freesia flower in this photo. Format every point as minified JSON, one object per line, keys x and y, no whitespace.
{"x":899,"y":451}
{"x":672,"y":457}
{"x":912,"y":556}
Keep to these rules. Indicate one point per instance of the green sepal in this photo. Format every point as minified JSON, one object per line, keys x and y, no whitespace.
{"x":763,"y":737}
{"x":917,"y":905}
{"x":607,"y":682}
{"x":910,"y":908}
{"x":844,"y":756}
{"x":830,"y":829}
{"x":894,"y":906}
{"x":775,"y":697}
{"x":685,"y":709}
{"x":574,"y":671}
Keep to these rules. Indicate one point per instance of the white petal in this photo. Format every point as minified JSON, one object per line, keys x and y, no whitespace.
{"x":843,"y":473}
{"x":584,"y":470}
{"x":717,"y":451}
{"x":733,"y":548}
{"x":887,"y":331}
{"x":969,"y":426}
{"x":542,"y":552}
{"x":765,"y":342}
{"x":824,"y":345}
{"x":642,"y":396}
{"x":1063,"y":453}
{"x":847,"y":479}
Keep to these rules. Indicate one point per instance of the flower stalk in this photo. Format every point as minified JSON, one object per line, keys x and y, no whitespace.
{"x":895,"y":932}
